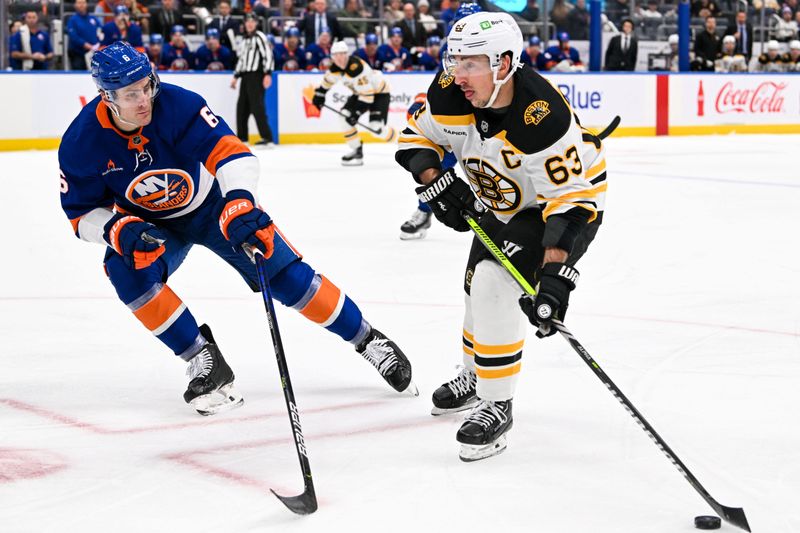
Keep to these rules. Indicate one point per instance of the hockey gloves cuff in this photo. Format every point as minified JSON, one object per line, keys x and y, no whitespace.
{"x":556,"y":280}
{"x":448,"y":196}
{"x":319,"y":98}
{"x":138,"y":242}
{"x":242,"y":223}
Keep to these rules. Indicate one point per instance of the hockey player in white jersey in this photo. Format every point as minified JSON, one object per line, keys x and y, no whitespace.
{"x":539,"y":179}
{"x":370,"y":94}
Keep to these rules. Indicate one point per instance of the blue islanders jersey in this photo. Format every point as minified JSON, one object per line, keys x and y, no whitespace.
{"x":401,"y":59}
{"x":555,"y":55}
{"x":428,"y":62}
{"x":285,"y":59}
{"x":162,"y":171}
{"x":205,"y":59}
{"x":373,"y":61}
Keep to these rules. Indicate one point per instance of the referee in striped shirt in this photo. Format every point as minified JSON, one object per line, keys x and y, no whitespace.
{"x":255,"y":69}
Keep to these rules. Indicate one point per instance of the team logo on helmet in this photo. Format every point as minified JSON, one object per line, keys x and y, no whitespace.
{"x":459,"y":27}
{"x":445,"y":79}
{"x":536,"y":112}
{"x":494,"y":190}
{"x":161,"y":190}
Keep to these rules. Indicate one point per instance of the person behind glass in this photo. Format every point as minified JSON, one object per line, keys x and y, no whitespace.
{"x":743,"y":32}
{"x":164,"y":18}
{"x":578,"y":21}
{"x":393,"y":54}
{"x":154,"y":50}
{"x":791,"y":59}
{"x":562,"y":57}
{"x":139,"y":14}
{"x":225,"y":24}
{"x":449,"y":14}
{"x":427,"y":20}
{"x":730,"y":60}
{"x":318,"y":54}
{"x":531,"y":11}
{"x":771,"y":60}
{"x":532,"y":55}
{"x":122,"y":29}
{"x":30,"y":47}
{"x":254,"y":67}
{"x":393,"y":12}
{"x":413,"y":31}
{"x":176,"y":54}
{"x":289,"y":55}
{"x":213,"y":55}
{"x":428,"y":59}
{"x":82,"y":30}
{"x":706,"y":47}
{"x":786,"y":28}
{"x":318,"y":19}
{"x":369,"y":52}
{"x":352,"y":9}
{"x":622,"y":49}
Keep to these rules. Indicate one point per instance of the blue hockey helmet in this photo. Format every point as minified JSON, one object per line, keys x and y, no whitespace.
{"x":212,"y":33}
{"x":293,"y":32}
{"x":434,"y":40}
{"x":156,"y":38}
{"x":466,"y":9}
{"x":563,"y":37}
{"x":396,"y":31}
{"x":534,"y":41}
{"x":121,"y":10}
{"x":177,"y":28}
{"x":119,"y":65}
{"x":370,"y":38}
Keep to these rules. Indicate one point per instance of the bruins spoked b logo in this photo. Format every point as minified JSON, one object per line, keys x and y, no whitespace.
{"x":496,"y":191}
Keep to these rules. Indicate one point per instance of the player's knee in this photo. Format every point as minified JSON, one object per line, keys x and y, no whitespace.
{"x":291,"y":283}
{"x":492,"y":286}
{"x":131,"y":284}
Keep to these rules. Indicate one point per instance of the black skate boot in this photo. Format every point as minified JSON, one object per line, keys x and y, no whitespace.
{"x":210,"y":388}
{"x":390,"y":361}
{"x":483,"y":433}
{"x":457,"y":394}
{"x":416,"y":227}
{"x":354,"y":158}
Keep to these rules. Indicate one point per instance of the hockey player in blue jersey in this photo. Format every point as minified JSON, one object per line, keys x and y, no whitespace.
{"x":369,"y":52}
{"x":430,"y":59}
{"x":148,"y":170}
{"x":289,"y":55}
{"x":393,"y":55}
{"x":562,"y":57}
{"x":122,"y":29}
{"x":213,"y":55}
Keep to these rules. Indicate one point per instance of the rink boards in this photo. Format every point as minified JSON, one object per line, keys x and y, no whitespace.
{"x":39,"y":107}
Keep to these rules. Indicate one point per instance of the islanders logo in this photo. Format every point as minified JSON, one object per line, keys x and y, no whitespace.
{"x":161,"y":190}
{"x":536,"y":112}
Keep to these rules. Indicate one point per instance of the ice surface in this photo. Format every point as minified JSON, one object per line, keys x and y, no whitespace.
{"x":688,"y":299}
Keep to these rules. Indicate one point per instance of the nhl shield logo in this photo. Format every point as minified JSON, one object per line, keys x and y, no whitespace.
{"x":536,"y":112}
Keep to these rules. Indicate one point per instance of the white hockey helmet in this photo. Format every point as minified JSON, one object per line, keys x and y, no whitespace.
{"x":490,"y":34}
{"x":773,"y":45}
{"x":794,"y":45}
{"x":729,"y":39}
{"x":673,"y":39}
{"x":340,"y":47}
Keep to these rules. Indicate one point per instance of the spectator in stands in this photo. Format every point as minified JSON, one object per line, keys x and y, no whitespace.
{"x":623,"y":49}
{"x":706,"y":47}
{"x":559,"y":14}
{"x":562,"y":57}
{"x":192,"y":15}
{"x":578,"y":21}
{"x":352,"y":9}
{"x":122,"y":29}
{"x":770,"y":6}
{"x":791,"y":60}
{"x":164,"y":18}
{"x":224,"y":23}
{"x":104,"y":10}
{"x":393,"y":12}
{"x":82,"y":30}
{"x":139,"y":14}
{"x":317,"y":20}
{"x":651,"y":12}
{"x":262,"y":8}
{"x":176,"y":54}
{"x":318,"y":54}
{"x":531,"y":11}
{"x":428,"y":59}
{"x":413,"y":32}
{"x":369,"y":52}
{"x":449,"y":14}
{"x":13,"y":28}
{"x":743,"y":33}
{"x":729,"y":60}
{"x":786,"y":28}
{"x":212,"y":56}
{"x":289,"y":55}
{"x":427,"y":20}
{"x":154,"y":51}
{"x":673,"y":41}
{"x":532,"y":55}
{"x":393,"y":55}
{"x":704,"y":8}
{"x":30,"y":47}
{"x":287,"y":9}
{"x":617,"y":10}
{"x":771,"y":61}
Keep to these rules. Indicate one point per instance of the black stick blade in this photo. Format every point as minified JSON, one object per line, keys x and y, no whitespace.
{"x":733,"y":515}
{"x":305,"y":503}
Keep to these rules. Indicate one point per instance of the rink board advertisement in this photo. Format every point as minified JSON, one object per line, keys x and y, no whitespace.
{"x":596,"y":99}
{"x":743,"y":103}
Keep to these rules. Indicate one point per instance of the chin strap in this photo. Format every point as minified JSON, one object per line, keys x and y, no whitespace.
{"x":497,"y":85}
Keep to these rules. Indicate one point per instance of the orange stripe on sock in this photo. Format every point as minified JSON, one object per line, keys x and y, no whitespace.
{"x":323,"y":304}
{"x":468,"y":336}
{"x":155,"y":312}
{"x":498,"y":373}
{"x":498,"y":349}
{"x":226,"y":147}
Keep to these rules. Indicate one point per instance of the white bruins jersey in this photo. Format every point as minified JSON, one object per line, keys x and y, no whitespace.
{"x":357,"y":76}
{"x":536,"y":155}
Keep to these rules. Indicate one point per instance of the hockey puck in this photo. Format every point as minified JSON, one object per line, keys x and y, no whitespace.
{"x":707,"y":522}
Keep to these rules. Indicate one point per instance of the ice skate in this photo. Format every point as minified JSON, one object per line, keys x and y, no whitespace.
{"x":354,"y":158}
{"x":483,"y":433}
{"x":458,"y":394}
{"x":210,"y":389}
{"x":390,"y":361}
{"x":416,"y":227}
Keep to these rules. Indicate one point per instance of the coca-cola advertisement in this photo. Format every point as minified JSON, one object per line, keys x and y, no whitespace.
{"x":752,"y":101}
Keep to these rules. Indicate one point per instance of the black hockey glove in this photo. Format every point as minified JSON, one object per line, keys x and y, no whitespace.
{"x":319,"y":98}
{"x":449,"y":196}
{"x":556,"y":280}
{"x":352,"y":114}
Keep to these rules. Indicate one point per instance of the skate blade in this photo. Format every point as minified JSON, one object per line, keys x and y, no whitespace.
{"x":413,"y":236}
{"x":411,"y":390}
{"x":358,"y":163}
{"x":225,"y":398}
{"x":437,"y":411}
{"x":470,"y":453}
